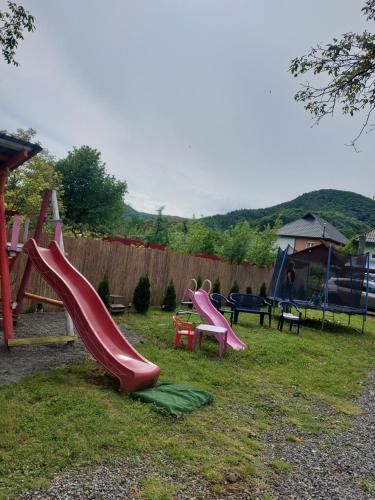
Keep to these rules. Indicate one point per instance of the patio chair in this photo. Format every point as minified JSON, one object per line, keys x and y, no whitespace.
{"x":183,"y":329}
{"x":247,"y":303}
{"x":291,"y":313}
{"x":219,"y":301}
{"x":116,"y":306}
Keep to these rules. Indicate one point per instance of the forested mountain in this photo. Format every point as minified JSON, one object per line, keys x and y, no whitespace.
{"x":350,"y":212}
{"x":132,"y":212}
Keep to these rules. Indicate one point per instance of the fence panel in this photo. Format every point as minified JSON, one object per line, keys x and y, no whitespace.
{"x":124,"y":265}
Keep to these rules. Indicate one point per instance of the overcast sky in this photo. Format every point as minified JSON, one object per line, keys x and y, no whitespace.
{"x":189,"y":101}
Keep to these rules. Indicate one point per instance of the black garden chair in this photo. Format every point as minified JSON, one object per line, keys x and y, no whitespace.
{"x":220,"y":302}
{"x":253,"y":304}
{"x":291,"y":313}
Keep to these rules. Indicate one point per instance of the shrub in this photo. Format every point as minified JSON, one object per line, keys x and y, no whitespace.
{"x":199,"y":281}
{"x":249,"y":290}
{"x":235,"y":288}
{"x":216,"y":287}
{"x":263,"y":290}
{"x":169,"y":301}
{"x":103,"y":292}
{"x":141,"y":297}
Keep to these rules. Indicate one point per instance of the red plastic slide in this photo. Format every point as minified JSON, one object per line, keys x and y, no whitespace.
{"x":93,"y":322}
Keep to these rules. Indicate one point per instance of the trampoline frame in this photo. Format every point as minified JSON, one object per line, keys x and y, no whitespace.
{"x":325,"y":306}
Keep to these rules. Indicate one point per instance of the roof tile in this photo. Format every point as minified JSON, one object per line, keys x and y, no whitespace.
{"x":370,"y":236}
{"x":313,"y":226}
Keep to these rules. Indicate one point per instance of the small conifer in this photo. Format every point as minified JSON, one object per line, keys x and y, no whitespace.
{"x":199,"y":281}
{"x":103,"y":291}
{"x":141,"y":297}
{"x":169,"y":301}
{"x":235,"y":288}
{"x":216,"y":286}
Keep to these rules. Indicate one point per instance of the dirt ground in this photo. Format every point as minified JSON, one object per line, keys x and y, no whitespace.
{"x":18,"y":362}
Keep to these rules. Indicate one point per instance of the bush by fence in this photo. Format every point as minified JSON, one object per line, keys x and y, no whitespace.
{"x":124,"y":265}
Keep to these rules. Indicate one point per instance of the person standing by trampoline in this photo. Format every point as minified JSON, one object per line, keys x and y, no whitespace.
{"x":290,"y":279}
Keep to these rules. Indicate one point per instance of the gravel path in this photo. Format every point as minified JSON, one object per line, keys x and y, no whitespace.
{"x":331,"y":467}
{"x":338,"y":467}
{"x":121,"y":480}
{"x":323,"y":467}
{"x":21,"y":361}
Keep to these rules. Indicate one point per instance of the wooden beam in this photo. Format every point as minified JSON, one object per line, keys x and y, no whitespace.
{"x":15,"y":233}
{"x":6,"y":293}
{"x":16,"y":160}
{"x":40,"y":340}
{"x":10,"y":213}
{"x":37,"y":235}
{"x":46,"y":300}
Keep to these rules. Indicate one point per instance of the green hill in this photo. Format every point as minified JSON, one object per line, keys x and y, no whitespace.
{"x":132,"y":212}
{"x":350,"y":212}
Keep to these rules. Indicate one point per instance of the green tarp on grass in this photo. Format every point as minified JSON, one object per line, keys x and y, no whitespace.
{"x":175,"y":399}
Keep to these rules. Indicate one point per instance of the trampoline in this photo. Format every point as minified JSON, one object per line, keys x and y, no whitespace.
{"x":324,"y":280}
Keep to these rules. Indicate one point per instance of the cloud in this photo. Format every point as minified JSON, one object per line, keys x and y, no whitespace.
{"x":189,"y":102}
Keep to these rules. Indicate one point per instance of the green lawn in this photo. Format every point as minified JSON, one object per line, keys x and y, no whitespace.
{"x":74,"y":416}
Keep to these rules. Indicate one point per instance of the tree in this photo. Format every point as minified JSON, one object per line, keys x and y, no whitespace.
{"x":348,"y":66}
{"x":263,"y":290}
{"x":199,"y":281}
{"x":159,"y":229}
{"x":193,"y":237}
{"x":104,"y":292}
{"x":261,"y":251}
{"x":249,"y":290}
{"x":351,"y":248}
{"x":26,"y":185}
{"x":235,"y":288}
{"x":92,"y":198}
{"x":13,"y":22}
{"x":141,"y":297}
{"x":235,"y":242}
{"x":216,"y":286}
{"x":133,"y":226}
{"x":169,"y":301}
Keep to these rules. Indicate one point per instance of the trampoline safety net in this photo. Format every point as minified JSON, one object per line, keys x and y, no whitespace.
{"x":323,"y":277}
{"x":346,"y":284}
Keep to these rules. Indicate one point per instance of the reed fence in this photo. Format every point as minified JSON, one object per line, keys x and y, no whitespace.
{"x":124,"y":265}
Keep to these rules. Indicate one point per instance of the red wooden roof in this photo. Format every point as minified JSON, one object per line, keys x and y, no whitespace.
{"x":14,"y":152}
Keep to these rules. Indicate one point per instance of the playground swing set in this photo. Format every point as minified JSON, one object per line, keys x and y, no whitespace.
{"x":50,"y":197}
{"x":84,"y":308}
{"x":82,"y":304}
{"x":91,"y":319}
{"x":13,"y":153}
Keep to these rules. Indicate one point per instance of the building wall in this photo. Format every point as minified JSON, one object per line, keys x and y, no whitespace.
{"x":299,"y":244}
{"x":370,"y":247}
{"x":303,"y":243}
{"x":284,"y":241}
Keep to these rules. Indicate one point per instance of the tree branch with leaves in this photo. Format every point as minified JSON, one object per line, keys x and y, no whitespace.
{"x":13,"y":22}
{"x":344,"y":71}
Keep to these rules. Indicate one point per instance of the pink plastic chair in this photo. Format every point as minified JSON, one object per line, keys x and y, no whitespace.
{"x":183,"y":329}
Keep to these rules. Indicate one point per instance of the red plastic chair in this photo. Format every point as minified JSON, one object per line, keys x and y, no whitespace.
{"x":183,"y":329}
